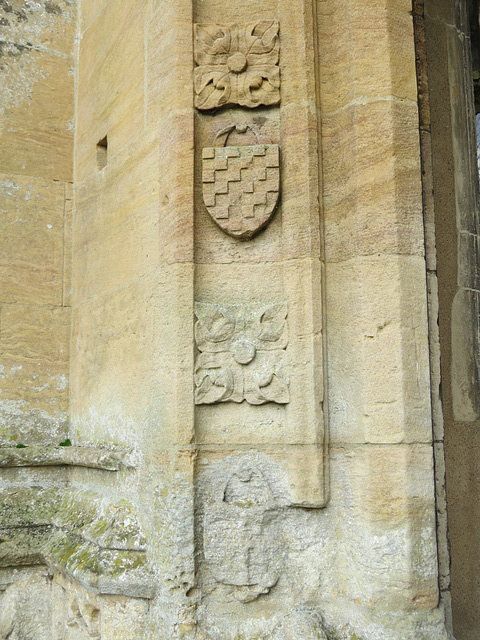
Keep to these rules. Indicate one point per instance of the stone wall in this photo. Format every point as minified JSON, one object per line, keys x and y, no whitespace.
{"x":249,"y":278}
{"x":145,"y":249}
{"x":36,"y":175}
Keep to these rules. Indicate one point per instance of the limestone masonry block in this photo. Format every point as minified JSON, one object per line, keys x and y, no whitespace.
{"x":31,"y":240}
{"x":216,"y":302}
{"x":118,"y":221}
{"x":37,"y":141}
{"x":372,"y":189}
{"x":358,"y":63}
{"x":34,"y":365}
{"x":377,"y":344}
{"x":111,"y":75}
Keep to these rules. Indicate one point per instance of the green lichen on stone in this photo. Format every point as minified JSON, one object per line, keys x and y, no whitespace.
{"x":85,"y":559}
{"x":82,"y":537}
{"x":128,"y":561}
{"x":77,"y":509}
{"x":62,"y":547}
{"x":27,"y":507}
{"x":99,"y":526}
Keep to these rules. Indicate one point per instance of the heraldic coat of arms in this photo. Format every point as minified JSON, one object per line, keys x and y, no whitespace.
{"x":241,"y":184}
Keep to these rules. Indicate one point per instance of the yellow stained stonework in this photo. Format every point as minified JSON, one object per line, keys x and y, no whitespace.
{"x":36,"y":174}
{"x":266,"y":396}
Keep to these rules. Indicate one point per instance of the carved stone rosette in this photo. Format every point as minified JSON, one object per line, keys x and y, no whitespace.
{"x":241,"y":356}
{"x":237,"y":64}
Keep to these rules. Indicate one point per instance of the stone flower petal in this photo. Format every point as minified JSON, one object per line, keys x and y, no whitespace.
{"x":217,"y":379}
{"x":214,"y":328}
{"x":261,"y":42}
{"x":212,"y":86}
{"x":213,"y":44}
{"x":266,"y":381}
{"x":272,"y":323}
{"x":237,"y":64}
{"x":242,"y":351}
{"x":260,"y":86}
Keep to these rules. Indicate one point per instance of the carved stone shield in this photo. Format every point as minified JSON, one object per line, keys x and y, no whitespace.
{"x":241,"y":186}
{"x":242,"y":535}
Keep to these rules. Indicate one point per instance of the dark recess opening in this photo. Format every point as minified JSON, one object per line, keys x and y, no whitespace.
{"x":102,"y":153}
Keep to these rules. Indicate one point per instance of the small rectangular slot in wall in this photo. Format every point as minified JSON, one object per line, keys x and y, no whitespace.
{"x":102,"y":153}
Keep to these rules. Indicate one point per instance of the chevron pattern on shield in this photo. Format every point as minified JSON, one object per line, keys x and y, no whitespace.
{"x":241,"y":186}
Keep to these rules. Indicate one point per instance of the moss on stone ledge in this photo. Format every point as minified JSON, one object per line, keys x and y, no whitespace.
{"x":83,"y":535}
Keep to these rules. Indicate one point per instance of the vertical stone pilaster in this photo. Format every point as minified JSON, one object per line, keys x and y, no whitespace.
{"x":379,"y":376}
{"x":279,"y":265}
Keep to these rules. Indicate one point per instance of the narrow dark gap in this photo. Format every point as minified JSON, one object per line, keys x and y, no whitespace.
{"x":102,"y":153}
{"x":473,"y":11}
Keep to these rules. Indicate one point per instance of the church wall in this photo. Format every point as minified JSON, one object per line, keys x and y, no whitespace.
{"x":144,"y":248}
{"x":36,"y":174}
{"x":307,"y":514}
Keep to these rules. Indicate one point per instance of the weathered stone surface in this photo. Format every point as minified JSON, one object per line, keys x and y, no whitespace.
{"x":77,"y":613}
{"x":38,"y":605}
{"x":67,"y":244}
{"x":34,"y":372}
{"x":129,"y":620}
{"x":26,"y":608}
{"x":36,"y":70}
{"x":219,"y":524}
{"x":367,"y":57}
{"x":108,"y":361}
{"x":48,"y":456}
{"x":46,"y":24}
{"x":111,"y":52}
{"x":36,"y":161}
{"x":380,"y":394}
{"x":21,"y":423}
{"x":90,"y":11}
{"x":31,"y":240}
{"x":372,"y":189}
{"x":97,"y":542}
{"x":117,"y":225}
{"x":326,"y":551}
{"x":33,"y":333}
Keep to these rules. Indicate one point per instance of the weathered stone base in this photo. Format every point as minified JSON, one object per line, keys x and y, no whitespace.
{"x":37,"y":604}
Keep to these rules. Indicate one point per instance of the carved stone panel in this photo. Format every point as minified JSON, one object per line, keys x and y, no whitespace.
{"x":237,"y":64}
{"x":242,"y":542}
{"x":242,"y":350}
{"x":241,"y":186}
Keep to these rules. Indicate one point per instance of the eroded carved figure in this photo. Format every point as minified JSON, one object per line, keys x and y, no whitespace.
{"x":242,"y":535}
{"x":242,"y":349}
{"x":237,"y":64}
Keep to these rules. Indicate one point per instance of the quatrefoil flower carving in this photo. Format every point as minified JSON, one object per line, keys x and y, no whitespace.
{"x":242,"y":352}
{"x":237,"y":64}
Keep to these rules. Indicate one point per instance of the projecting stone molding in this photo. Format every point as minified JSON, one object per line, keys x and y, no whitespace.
{"x":94,"y":540}
{"x":53,"y":456}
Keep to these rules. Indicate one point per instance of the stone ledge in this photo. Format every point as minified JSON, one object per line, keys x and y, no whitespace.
{"x":80,"y":534}
{"x":73,"y":456}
